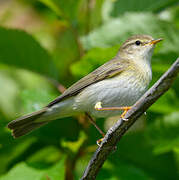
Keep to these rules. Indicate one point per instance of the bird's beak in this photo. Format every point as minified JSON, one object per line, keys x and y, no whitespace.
{"x":155,"y":41}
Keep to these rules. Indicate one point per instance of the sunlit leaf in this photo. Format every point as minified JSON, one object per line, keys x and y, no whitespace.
{"x":117,"y":30}
{"x":49,"y":154}
{"x":22,"y":170}
{"x":74,"y":146}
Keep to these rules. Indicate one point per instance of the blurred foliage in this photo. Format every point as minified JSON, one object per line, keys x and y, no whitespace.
{"x":47,"y":42}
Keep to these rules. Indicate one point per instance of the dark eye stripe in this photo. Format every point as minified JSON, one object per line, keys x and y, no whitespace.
{"x":133,"y":43}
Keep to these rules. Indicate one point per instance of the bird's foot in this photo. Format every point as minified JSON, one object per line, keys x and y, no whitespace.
{"x":125,"y":109}
{"x":99,"y":141}
{"x":124,"y":119}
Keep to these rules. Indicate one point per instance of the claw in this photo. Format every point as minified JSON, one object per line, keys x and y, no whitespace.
{"x":99,"y":141}
{"x":125,"y":119}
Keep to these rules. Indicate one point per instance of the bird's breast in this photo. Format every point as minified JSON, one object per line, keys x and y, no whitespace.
{"x":122,"y":90}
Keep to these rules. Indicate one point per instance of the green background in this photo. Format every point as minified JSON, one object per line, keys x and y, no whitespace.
{"x":47,"y":42}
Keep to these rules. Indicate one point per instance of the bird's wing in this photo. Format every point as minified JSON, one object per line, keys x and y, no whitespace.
{"x":107,"y":70}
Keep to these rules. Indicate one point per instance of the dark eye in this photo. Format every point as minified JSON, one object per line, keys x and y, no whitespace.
{"x":137,"y":43}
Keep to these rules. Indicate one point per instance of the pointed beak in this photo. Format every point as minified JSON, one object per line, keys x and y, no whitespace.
{"x":155,"y":41}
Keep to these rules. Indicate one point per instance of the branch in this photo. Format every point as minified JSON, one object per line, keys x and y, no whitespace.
{"x":115,"y":133}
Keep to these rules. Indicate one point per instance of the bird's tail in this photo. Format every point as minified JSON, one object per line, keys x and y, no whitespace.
{"x":26,"y":124}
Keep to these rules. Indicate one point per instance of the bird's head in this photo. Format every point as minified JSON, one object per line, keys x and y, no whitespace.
{"x":138,"y":47}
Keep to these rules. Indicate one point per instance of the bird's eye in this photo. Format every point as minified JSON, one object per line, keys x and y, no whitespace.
{"x":137,"y":43}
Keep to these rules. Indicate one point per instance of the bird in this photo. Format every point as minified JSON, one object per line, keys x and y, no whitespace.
{"x":112,"y":87}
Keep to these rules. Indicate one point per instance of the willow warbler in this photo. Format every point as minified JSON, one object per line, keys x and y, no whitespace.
{"x":118,"y":83}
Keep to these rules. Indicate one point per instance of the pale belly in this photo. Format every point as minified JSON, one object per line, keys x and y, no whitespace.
{"x":114,"y":92}
{"x":111,"y":93}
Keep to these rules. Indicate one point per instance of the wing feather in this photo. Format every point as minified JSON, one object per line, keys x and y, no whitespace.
{"x":107,"y":70}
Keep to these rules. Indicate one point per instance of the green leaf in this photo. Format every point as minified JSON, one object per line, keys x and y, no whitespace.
{"x":35,"y":99}
{"x":65,"y":53}
{"x":23,"y":91}
{"x":70,"y":14}
{"x":21,"y":50}
{"x":68,"y":11}
{"x":135,"y":150}
{"x":46,"y":155}
{"x":92,"y":16}
{"x":120,"y":7}
{"x":176,"y":154}
{"x":116,"y":31}
{"x":9,"y":90}
{"x":166,"y":104}
{"x":57,"y":172}
{"x":10,"y":150}
{"x":124,"y":171}
{"x":52,"y":4}
{"x":74,"y":145}
{"x":164,"y":133}
{"x":23,"y":171}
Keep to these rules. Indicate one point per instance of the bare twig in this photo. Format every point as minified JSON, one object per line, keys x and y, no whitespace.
{"x":115,"y":133}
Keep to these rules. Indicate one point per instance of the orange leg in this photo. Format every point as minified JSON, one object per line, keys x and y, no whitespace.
{"x":95,"y":125}
{"x":98,"y":107}
{"x":98,"y":142}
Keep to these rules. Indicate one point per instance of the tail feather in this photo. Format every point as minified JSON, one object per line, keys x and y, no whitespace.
{"x":26,"y":124}
{"x":26,"y":129}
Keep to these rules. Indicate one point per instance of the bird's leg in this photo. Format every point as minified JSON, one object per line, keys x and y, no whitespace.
{"x":95,"y":125}
{"x":99,"y":107}
{"x":98,"y":142}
